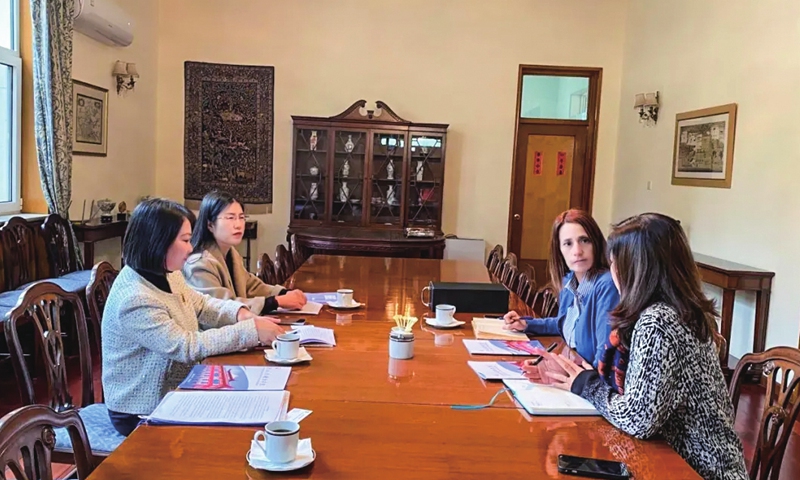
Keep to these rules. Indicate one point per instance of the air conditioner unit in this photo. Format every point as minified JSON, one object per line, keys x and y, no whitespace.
{"x":103,"y":21}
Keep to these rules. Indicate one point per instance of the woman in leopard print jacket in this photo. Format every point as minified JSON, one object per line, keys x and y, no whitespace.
{"x":674,"y":386}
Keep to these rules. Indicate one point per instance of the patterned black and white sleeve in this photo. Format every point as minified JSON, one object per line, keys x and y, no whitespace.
{"x":651,"y":388}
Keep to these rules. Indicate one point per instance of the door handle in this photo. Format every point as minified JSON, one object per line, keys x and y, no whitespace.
{"x":516,"y":216}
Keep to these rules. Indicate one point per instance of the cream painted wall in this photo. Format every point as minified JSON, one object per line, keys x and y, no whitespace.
{"x":448,"y":61}
{"x":702,"y":54}
{"x":128,"y":172}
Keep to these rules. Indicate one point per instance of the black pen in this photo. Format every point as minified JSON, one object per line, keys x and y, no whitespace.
{"x":549,"y":349}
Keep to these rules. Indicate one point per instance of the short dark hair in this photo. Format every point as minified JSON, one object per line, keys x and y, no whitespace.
{"x":212,"y":205}
{"x":556,"y":265}
{"x":154,"y":225}
{"x":653,"y":263}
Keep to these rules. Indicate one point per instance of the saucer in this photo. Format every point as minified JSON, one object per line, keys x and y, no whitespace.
{"x":352,"y":306}
{"x":302,"y":356}
{"x":432,"y":323}
{"x":305,"y":456}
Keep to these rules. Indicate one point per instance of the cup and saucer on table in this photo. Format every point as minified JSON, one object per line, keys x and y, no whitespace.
{"x":444,"y":317}
{"x":278,"y":448}
{"x":344,"y":300}
{"x":286,"y":350}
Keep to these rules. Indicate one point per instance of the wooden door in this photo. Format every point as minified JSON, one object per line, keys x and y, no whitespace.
{"x":549,"y":172}
{"x":554,"y":152}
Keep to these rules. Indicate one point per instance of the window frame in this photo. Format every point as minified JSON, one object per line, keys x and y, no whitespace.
{"x":11,"y":57}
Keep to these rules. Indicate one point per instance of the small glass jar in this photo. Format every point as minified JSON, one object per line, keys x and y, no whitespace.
{"x":401,"y":344}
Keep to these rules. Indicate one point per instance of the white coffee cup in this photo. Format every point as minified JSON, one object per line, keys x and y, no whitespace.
{"x":344,"y":297}
{"x":444,"y":314}
{"x":280,"y":441}
{"x":287,"y":346}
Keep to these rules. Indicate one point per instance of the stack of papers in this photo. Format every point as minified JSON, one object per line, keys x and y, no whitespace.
{"x":234,"y":377}
{"x":502,"y":347}
{"x":310,"y":308}
{"x":311,"y":336}
{"x":498,"y":370}
{"x":543,"y":400}
{"x":187,"y":407}
{"x":492,"y":329}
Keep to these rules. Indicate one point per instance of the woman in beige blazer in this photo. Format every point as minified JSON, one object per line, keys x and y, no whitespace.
{"x":216,"y":268}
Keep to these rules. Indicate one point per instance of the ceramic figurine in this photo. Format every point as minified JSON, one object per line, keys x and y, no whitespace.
{"x":390,"y":197}
{"x":313,"y":192}
{"x":346,"y":169}
{"x":425,"y":149}
{"x":344,"y":192}
{"x":349,"y":146}
{"x":312,"y":142}
{"x":390,"y":170}
{"x":420,"y":170}
{"x":314,"y":170}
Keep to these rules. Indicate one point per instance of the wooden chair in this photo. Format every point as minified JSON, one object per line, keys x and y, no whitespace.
{"x":545,"y":302}
{"x":781,"y":366}
{"x":25,"y":260}
{"x":495,"y":255}
{"x":509,"y":277}
{"x":523,"y":288}
{"x":43,"y":304}
{"x":100,"y":281}
{"x":60,"y":246}
{"x":298,"y":255}
{"x":283,"y":263}
{"x":27,"y":441}
{"x":266,"y":270}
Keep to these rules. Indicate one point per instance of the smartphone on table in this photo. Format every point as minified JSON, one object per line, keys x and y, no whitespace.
{"x":592,"y":467}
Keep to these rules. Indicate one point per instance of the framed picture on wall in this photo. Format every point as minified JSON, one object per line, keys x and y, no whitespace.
{"x":703,"y":148}
{"x":90,"y":119}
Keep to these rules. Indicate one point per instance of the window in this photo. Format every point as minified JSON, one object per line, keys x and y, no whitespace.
{"x":553,"y":97}
{"x":10,"y":99}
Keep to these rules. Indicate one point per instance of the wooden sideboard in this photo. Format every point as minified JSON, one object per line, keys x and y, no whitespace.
{"x":366,"y":242}
{"x":730,"y":277}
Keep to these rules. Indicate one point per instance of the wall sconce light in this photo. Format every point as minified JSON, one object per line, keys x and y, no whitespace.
{"x":126,"y":76}
{"x":647,"y":104}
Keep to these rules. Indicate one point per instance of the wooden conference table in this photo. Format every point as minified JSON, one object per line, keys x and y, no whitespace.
{"x":375,"y":417}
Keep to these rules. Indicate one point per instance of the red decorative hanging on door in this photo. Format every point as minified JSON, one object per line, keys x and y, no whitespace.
{"x":561,"y":165}
{"x":537,"y":163}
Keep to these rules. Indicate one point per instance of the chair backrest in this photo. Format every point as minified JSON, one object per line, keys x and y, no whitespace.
{"x":781,"y":366}
{"x":43,"y":304}
{"x":27,"y":441}
{"x":103,"y":276}
{"x":509,"y":277}
{"x":266,"y":270}
{"x":58,"y":240}
{"x":298,"y":255}
{"x":494,"y":256}
{"x":511,"y":258}
{"x":545,"y":302}
{"x":283,"y":263}
{"x":523,"y":288}
{"x":25,"y":259}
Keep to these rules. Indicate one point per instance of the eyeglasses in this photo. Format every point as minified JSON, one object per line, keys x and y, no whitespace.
{"x":233,"y":218}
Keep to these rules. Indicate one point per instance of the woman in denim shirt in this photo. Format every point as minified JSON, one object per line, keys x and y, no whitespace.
{"x":579,"y":272}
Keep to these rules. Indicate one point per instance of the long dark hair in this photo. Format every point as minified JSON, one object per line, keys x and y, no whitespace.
{"x":212,"y":205}
{"x":556,"y":264}
{"x":154,"y":225}
{"x":653,"y":263}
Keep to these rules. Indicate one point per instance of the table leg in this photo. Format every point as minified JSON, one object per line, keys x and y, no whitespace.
{"x":762,"y":310}
{"x":726,"y":315}
{"x":88,"y":255}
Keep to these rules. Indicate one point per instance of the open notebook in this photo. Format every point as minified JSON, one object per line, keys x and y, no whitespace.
{"x":311,"y":336}
{"x":544,"y":400}
{"x":196,"y":407}
{"x":492,"y":329}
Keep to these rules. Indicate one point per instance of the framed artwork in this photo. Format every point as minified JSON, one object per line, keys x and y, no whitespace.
{"x":90,"y":119}
{"x":703,"y":148}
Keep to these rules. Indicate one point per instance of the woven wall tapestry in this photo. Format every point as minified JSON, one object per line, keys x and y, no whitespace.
{"x":228,"y":131}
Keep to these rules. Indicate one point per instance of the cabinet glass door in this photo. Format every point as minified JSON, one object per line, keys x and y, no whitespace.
{"x":348,"y":175}
{"x":426,"y":175}
{"x":386,"y":177}
{"x":310,"y":176}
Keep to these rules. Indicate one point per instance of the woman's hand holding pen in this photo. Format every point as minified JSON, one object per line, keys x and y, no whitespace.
{"x":514,"y":322}
{"x":536,"y":369}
